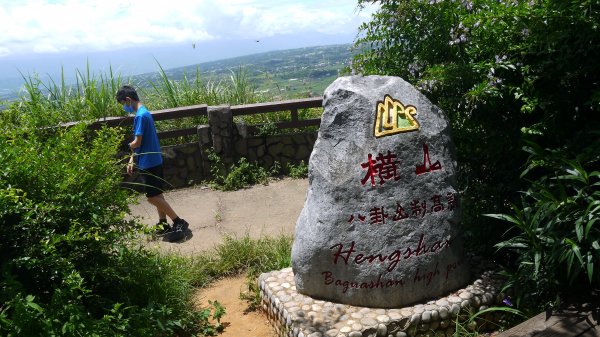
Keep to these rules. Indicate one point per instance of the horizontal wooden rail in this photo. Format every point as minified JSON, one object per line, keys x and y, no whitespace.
{"x":292,"y":104}
{"x":181,"y":112}
{"x":158,"y":115}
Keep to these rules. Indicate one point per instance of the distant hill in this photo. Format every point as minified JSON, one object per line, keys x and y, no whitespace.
{"x":289,"y":73}
{"x":279,"y":74}
{"x":9,"y":88}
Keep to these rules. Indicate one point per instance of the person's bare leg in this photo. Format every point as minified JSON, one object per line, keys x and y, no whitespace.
{"x":161,"y":213}
{"x":162,"y":206}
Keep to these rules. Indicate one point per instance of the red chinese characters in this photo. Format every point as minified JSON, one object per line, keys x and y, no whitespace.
{"x":427,"y":166}
{"x":400,"y":213}
{"x":359,"y":216}
{"x":383,"y":167}
{"x":378,"y":215}
{"x":418,"y":209}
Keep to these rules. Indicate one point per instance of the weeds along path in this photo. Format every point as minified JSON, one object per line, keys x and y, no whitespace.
{"x":261,"y":210}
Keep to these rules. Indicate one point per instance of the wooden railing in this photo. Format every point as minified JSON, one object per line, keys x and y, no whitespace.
{"x":238,"y":110}
{"x":290,"y":105}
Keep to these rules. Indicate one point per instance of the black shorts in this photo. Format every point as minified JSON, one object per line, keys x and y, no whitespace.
{"x":153,"y":180}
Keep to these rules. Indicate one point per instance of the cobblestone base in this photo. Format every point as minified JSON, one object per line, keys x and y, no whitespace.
{"x":297,"y":315}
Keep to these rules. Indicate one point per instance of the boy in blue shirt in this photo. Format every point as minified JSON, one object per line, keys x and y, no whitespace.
{"x":145,"y":148}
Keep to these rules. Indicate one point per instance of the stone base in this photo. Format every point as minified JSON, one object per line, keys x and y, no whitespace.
{"x":297,"y":315}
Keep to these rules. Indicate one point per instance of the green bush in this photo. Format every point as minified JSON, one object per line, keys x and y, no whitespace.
{"x":68,"y":264}
{"x":555,"y":238}
{"x":244,"y":174}
{"x":238,"y":176}
{"x":298,"y":171}
{"x":55,"y":211}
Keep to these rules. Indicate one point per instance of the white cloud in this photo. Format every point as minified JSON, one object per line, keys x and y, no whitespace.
{"x":89,"y":25}
{"x":4,"y":51}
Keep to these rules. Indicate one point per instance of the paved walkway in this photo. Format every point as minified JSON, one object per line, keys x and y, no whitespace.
{"x":257,"y":211}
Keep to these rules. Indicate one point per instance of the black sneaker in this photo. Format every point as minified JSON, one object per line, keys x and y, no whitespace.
{"x":162,"y":228}
{"x":179,"y":228}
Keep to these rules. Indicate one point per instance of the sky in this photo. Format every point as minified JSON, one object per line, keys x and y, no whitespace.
{"x":46,"y":36}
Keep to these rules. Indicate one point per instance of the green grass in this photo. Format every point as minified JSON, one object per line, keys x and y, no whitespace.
{"x":237,"y":255}
{"x":474,"y":324}
{"x":255,"y":257}
{"x":244,"y":174}
{"x":234,"y":257}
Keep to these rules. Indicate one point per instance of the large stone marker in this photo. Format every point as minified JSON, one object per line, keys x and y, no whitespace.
{"x":380,"y":225}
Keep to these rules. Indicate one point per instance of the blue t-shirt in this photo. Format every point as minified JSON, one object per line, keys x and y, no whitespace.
{"x":148,"y":155}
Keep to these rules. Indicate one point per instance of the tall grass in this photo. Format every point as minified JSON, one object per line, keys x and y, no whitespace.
{"x":98,"y":92}
{"x":241,"y":92}
{"x":190,"y":90}
{"x":91,"y":97}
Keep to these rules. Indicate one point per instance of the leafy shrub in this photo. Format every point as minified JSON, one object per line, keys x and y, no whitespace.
{"x":245,"y":174}
{"x":141,"y":293}
{"x":555,"y":238}
{"x":68,"y":265}
{"x":530,"y":62}
{"x":55,"y":211}
{"x":267,"y":129}
{"x":238,"y":176}
{"x":298,"y":171}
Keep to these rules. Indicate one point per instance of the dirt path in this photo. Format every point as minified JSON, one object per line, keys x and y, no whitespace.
{"x":257,"y":211}
{"x":238,"y":321}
